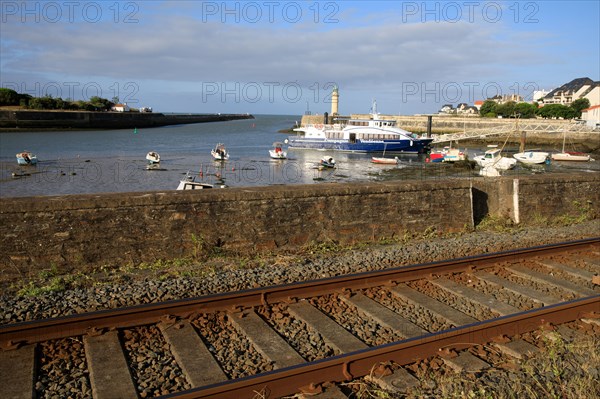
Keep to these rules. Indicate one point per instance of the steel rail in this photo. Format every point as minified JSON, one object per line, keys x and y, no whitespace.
{"x":360,"y":363}
{"x":80,"y":324}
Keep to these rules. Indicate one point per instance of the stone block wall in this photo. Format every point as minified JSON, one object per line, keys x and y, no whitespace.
{"x":82,"y":231}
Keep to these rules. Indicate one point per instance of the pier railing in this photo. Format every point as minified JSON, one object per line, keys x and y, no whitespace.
{"x":528,"y":127}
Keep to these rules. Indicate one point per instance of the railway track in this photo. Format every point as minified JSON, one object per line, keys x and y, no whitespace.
{"x":284,"y":339}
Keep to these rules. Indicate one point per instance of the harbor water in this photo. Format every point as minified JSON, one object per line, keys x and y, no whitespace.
{"x":78,"y":162}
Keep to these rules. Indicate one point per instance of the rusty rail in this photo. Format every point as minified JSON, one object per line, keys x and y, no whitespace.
{"x":12,"y":335}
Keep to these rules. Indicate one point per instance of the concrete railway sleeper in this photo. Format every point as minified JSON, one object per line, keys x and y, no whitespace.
{"x":284,"y":339}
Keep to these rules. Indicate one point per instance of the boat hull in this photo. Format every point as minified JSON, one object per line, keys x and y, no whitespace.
{"x":498,"y":163}
{"x":531,"y":157}
{"x":395,"y":146}
{"x":565,"y":156}
{"x":277,"y":155}
{"x":386,"y":161}
{"x":27,"y":159}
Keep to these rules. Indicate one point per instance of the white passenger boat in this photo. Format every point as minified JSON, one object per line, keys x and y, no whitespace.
{"x":360,"y":135}
{"x":532,"y":157}
{"x":219,"y":153}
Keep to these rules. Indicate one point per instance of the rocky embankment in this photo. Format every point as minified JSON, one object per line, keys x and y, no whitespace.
{"x":219,"y":274}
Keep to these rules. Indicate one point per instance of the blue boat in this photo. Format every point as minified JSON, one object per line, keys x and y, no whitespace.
{"x":360,"y":135}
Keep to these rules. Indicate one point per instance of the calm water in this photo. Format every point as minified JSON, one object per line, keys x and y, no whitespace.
{"x":114,"y":160}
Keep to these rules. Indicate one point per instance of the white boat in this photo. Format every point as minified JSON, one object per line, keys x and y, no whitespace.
{"x":373,"y":134}
{"x":327,"y":162}
{"x":495,"y":159}
{"x":26,"y":158}
{"x":153,"y":157}
{"x":190,"y":183}
{"x":220,"y":153}
{"x":453,"y":155}
{"x":532,"y":157}
{"x":570,"y":156}
{"x":277,"y":151}
{"x":390,"y":161}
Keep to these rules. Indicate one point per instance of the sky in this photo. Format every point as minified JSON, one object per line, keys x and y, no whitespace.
{"x":285,"y":57}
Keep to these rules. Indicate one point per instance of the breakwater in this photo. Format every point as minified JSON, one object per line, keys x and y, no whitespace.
{"x":81,"y":232}
{"x":40,"y":120}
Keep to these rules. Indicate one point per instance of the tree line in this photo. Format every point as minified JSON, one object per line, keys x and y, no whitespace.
{"x":26,"y":101}
{"x":511,"y":109}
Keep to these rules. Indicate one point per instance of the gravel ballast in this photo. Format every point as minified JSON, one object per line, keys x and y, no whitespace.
{"x":303,"y":267}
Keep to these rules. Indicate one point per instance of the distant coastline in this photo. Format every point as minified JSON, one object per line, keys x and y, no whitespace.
{"x":25,"y":120}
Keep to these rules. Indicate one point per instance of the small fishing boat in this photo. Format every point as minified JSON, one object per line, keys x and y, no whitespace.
{"x":26,"y":158}
{"x":153,"y":157}
{"x":446,"y":154}
{"x":453,"y":155}
{"x":327,"y":162}
{"x":388,"y":161}
{"x":190,"y":183}
{"x":532,"y":157}
{"x":277,"y":151}
{"x":220,"y":153}
{"x":494,"y":158}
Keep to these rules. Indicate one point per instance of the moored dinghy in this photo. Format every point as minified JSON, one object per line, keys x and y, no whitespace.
{"x":532,"y":157}
{"x":327,"y":162}
{"x":26,"y":158}
{"x":277,"y":151}
{"x":389,"y":161}
{"x":220,"y":153}
{"x":153,"y":157}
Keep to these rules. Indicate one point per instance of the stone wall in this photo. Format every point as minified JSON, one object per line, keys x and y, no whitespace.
{"x":29,"y":119}
{"x":79,"y":232}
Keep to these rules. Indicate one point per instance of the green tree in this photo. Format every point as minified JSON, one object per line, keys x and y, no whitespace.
{"x":8,"y":97}
{"x":507,"y":110}
{"x":526,"y":110}
{"x":556,"y":111}
{"x":488,"y":109}
{"x":579,"y":105}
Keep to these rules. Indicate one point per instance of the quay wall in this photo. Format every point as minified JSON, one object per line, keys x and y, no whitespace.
{"x":28,"y":119}
{"x":81,"y":232}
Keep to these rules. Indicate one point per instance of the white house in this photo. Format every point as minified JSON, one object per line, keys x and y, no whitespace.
{"x":591,"y":116}
{"x":572,"y":91}
{"x":121,"y":107}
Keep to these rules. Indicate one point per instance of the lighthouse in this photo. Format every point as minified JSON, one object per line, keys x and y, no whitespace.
{"x":334,"y":101}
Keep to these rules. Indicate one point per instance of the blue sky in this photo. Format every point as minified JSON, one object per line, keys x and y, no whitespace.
{"x":284,"y":57}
